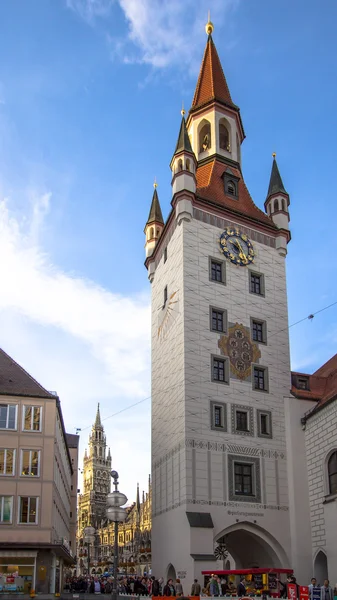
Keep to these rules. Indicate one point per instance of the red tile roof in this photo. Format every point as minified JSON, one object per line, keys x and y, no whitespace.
{"x":15,"y":381}
{"x":322,"y":383}
{"x":212,"y":84}
{"x":210,"y":186}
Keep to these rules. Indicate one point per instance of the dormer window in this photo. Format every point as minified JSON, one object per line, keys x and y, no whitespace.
{"x":231,"y":184}
{"x":301,"y":382}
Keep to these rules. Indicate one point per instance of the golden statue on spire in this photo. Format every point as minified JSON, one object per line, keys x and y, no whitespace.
{"x":209,"y":25}
{"x":155,"y":184}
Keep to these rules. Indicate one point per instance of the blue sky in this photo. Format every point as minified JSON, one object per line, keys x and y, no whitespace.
{"x":90,"y":99}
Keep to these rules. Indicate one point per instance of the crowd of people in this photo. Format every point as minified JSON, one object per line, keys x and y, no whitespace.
{"x":147,"y":585}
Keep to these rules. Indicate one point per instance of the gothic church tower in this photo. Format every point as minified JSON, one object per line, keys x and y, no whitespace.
{"x":96,"y":478}
{"x":220,"y":350}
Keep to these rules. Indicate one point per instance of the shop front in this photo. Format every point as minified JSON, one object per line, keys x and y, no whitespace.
{"x":17,"y":572}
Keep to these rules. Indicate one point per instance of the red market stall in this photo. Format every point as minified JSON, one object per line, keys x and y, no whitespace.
{"x":258,"y":581}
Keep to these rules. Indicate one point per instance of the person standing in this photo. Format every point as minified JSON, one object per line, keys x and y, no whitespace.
{"x":241,"y":589}
{"x":326,"y":591}
{"x":196,"y":588}
{"x":179,"y":588}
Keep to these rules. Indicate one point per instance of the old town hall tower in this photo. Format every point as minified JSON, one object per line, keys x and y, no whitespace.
{"x":220,"y":349}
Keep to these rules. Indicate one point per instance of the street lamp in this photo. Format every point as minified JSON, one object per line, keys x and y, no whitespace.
{"x":89,"y":538}
{"x":117,"y":514}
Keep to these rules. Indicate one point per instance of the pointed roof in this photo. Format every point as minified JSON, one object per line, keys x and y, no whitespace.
{"x":155,"y":214}
{"x":183,"y":142}
{"x":276,"y":184}
{"x":98,"y":422}
{"x":15,"y":381}
{"x":212,"y":84}
{"x":210,"y":187}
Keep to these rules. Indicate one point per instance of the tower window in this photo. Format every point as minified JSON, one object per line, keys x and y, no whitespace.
{"x":256,"y":283}
{"x":180,"y":165}
{"x":165,"y":254}
{"x":241,"y":420}
{"x":205,"y":137}
{"x":216,"y":270}
{"x":231,"y":184}
{"x":260,"y":381}
{"x":165,"y":296}
{"x":219,"y":370}
{"x":224,"y":137}
{"x":218,"y":318}
{"x":218,"y":416}
{"x":283,"y":204}
{"x":243,"y":474}
{"x":264,"y":423}
{"x":188,"y":164}
{"x":231,"y":188}
{"x":332,"y":473}
{"x":258,"y":331}
{"x":151,"y":233}
{"x":276,"y":206}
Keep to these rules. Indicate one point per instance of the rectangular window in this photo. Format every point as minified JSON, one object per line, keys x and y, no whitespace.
{"x":260,"y":381}
{"x":165,"y":295}
{"x":216,"y":270}
{"x":256,"y":283}
{"x":6,"y":509}
{"x":243,"y":474}
{"x":28,"y":507}
{"x":241,"y":420}
{"x":7,"y":461}
{"x":217,"y":320}
{"x":259,"y":331}
{"x":218,"y":416}
{"x":219,"y":369}
{"x":8,"y":416}
{"x":302,"y":383}
{"x":32,"y":418}
{"x":264,"y":423}
{"x":30,"y":463}
{"x":165,"y":254}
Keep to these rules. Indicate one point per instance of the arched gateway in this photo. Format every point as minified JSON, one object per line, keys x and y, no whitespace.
{"x":252,"y":546}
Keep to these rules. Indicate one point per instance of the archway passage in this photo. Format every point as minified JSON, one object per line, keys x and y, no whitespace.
{"x":321,"y":567}
{"x":252,"y":547}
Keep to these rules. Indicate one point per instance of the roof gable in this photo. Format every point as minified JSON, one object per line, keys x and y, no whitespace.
{"x":15,"y":381}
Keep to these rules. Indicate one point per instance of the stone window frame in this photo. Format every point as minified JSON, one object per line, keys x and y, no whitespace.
{"x":225,"y":359}
{"x":266,"y":379}
{"x":223,"y":406}
{"x":268,"y":413}
{"x":250,"y":413}
{"x":262,"y":293}
{"x":328,"y":495}
{"x":223,"y":269}
{"x":224,"y":319}
{"x":264,"y":330}
{"x":247,"y":460}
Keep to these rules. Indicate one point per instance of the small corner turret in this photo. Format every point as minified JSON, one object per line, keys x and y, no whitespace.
{"x":183,"y":166}
{"x":277,"y":207}
{"x":154,"y":225}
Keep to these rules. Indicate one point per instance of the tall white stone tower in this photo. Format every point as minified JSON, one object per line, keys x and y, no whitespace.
{"x":220,"y":351}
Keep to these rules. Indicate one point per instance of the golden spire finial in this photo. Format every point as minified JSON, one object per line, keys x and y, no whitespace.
{"x":155,"y":184}
{"x":274,"y":154}
{"x":209,"y":25}
{"x":183,"y":111}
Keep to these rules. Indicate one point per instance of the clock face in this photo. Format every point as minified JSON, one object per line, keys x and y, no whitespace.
{"x":237,"y":247}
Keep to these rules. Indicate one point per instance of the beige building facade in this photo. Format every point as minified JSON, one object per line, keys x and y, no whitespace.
{"x":38,"y":484}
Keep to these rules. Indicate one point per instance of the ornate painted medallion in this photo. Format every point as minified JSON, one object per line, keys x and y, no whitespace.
{"x":242,"y":352}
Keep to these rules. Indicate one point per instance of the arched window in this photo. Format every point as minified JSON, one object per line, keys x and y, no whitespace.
{"x":283,"y":204}
{"x":151,"y":233}
{"x":95,"y":451}
{"x":332,"y":473}
{"x":275,"y":205}
{"x":96,"y":435}
{"x":100,"y":452}
{"x":223,"y":137}
{"x":180,"y":164}
{"x":205,"y":136}
{"x":188,"y":164}
{"x":231,"y":188}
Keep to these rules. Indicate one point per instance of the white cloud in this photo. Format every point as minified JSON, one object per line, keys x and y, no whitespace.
{"x":160,"y":34}
{"x":76,"y":338}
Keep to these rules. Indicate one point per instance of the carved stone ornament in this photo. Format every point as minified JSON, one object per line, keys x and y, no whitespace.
{"x":242,"y":352}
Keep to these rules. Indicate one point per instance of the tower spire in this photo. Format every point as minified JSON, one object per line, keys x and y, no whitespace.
{"x":183,"y":141}
{"x":275,"y":184}
{"x":137,"y":498}
{"x":98,"y":422}
{"x":155,"y":214}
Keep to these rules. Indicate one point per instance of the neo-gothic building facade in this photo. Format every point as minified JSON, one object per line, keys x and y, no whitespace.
{"x":134,"y":536}
{"x":226,"y":452}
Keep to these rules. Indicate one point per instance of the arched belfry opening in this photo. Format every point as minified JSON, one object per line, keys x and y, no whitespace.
{"x":204,"y":137}
{"x":252,"y":546}
{"x":224,"y":137}
{"x":171,"y":573}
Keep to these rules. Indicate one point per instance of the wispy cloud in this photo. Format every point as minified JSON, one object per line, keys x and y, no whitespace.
{"x":74,"y":336}
{"x":159,"y":34}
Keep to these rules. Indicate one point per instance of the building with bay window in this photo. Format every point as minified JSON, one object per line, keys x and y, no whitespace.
{"x":38,"y":484}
